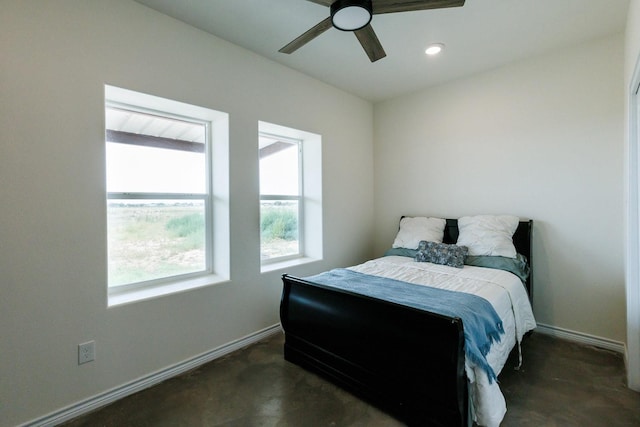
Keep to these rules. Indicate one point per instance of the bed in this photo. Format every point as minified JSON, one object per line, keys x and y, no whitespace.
{"x":410,"y":361}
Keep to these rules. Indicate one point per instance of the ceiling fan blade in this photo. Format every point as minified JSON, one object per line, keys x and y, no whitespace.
{"x":322,"y":2}
{"x":370,"y":43}
{"x":307,"y":36}
{"x":391,"y":6}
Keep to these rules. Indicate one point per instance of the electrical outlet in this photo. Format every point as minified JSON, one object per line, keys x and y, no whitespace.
{"x":86,"y":352}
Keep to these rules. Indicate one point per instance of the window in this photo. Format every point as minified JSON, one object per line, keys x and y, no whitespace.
{"x":290,"y":196}
{"x":280,"y":197}
{"x":161,"y":215}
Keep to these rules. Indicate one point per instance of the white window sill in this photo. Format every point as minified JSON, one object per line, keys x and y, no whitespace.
{"x":267,"y":268}
{"x":126,"y":296}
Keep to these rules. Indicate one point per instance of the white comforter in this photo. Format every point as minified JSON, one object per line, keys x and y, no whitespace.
{"x":502,"y":289}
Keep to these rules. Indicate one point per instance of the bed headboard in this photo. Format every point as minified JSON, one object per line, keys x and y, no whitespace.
{"x":521,"y":240}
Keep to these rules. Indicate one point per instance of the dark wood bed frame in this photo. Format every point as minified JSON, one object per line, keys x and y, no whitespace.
{"x":407,"y":362}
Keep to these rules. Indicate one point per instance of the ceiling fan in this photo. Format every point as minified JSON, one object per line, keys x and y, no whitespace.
{"x":355,"y":15}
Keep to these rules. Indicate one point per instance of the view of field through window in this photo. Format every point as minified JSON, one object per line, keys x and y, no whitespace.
{"x":154,"y":239}
{"x":278,"y":228}
{"x":157,"y":196}
{"x":279,"y":197}
{"x":158,"y":199}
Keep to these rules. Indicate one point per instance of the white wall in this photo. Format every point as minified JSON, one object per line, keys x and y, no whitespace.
{"x":632,"y":39}
{"x":542,"y":139}
{"x":632,"y":65}
{"x":56,"y":58}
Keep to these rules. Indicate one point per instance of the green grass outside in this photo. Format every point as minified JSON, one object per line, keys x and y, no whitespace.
{"x":148,"y":242}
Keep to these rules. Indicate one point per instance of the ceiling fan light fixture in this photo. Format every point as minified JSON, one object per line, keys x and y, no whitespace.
{"x":351,"y":15}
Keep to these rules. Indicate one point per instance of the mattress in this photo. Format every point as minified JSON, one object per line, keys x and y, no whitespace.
{"x":502,"y":289}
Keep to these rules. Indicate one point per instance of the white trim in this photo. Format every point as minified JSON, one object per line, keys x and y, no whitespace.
{"x":581,"y":338}
{"x":119,"y":295}
{"x":281,"y":265}
{"x":103,"y":399}
{"x":632,"y":356}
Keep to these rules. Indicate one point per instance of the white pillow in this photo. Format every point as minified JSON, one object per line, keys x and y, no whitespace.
{"x":488,"y":234}
{"x":413,"y":230}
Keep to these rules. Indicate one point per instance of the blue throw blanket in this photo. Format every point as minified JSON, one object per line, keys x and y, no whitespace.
{"x":482,"y":325}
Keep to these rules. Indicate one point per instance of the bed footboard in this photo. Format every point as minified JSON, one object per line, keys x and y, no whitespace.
{"x":406,"y":361}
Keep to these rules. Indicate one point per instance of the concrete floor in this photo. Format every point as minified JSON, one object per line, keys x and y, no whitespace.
{"x":560,"y":384}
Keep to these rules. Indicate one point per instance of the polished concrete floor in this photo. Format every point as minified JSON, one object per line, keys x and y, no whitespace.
{"x":560,"y":384}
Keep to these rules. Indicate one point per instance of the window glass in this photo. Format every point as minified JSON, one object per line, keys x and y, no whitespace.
{"x":134,"y":168}
{"x":157,"y":191}
{"x":153,"y":239}
{"x":280,"y":198}
{"x":279,"y":234}
{"x":290,"y":196}
{"x":279,"y":167}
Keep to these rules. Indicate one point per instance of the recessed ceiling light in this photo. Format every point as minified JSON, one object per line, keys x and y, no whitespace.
{"x":434,"y":49}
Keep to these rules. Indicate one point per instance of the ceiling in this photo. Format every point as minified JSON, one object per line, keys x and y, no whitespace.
{"x":481,"y":35}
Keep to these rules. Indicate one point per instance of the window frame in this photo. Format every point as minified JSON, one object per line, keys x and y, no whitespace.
{"x":204,"y":197}
{"x":310,"y":220}
{"x":299,"y":198}
{"x":215,"y":197}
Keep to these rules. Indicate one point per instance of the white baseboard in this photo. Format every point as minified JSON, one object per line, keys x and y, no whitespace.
{"x":103,"y":399}
{"x":581,"y":338}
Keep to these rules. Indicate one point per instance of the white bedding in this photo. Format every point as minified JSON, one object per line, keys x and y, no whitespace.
{"x":502,"y":289}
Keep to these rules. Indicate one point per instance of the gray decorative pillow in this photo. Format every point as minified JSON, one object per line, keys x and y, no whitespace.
{"x":441,"y":253}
